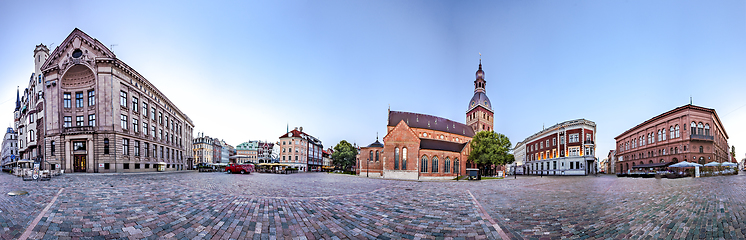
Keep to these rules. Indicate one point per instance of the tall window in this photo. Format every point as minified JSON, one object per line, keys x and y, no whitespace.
{"x":160,"y":118}
{"x":677,"y":130}
{"x":91,"y":98}
{"x":404,"y":159}
{"x":455,"y":166}
{"x":79,"y":99}
{"x":700,"y":129}
{"x":435,"y":164}
{"x":66,"y":100}
{"x":135,"y":107}
{"x":31,"y":135}
{"x":147,"y":149}
{"x":396,"y":158}
{"x":447,"y":166}
{"x":153,"y":128}
{"x":124,"y":121}
{"x":694,"y":128}
{"x":53,"y":147}
{"x":106,"y":146}
{"x":707,"y":129}
{"x":155,"y":151}
{"x":123,"y":98}
{"x":701,"y":149}
{"x":125,"y":146}
{"x":160,"y":134}
{"x":135,"y":127}
{"x":68,"y":121}
{"x":79,"y":120}
{"x":377,"y":155}
{"x":137,"y":148}
{"x":145,"y":128}
{"x":92,"y":120}
{"x":663,"y":134}
{"x":145,"y":109}
{"x":152,"y":115}
{"x":423,"y":164}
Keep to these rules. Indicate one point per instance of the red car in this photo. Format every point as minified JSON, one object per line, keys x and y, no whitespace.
{"x":239,"y":168}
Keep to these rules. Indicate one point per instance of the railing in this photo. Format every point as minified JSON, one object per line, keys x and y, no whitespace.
{"x":588,"y":142}
{"x":78,"y":129}
{"x":701,"y":137}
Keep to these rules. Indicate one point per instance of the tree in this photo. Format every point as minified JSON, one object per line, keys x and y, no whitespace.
{"x":344,"y":155}
{"x":733,"y":151}
{"x":488,"y":148}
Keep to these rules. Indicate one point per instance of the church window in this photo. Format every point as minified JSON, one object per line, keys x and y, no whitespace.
{"x":377,"y":154}
{"x":370,"y":156}
{"x":396,"y":158}
{"x":435,"y":164}
{"x":447,"y":165}
{"x":423,"y":164}
{"x":404,"y":159}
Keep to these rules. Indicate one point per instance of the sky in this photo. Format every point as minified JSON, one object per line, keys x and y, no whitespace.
{"x":248,"y":70}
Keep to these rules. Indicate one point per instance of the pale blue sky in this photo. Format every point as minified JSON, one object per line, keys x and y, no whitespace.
{"x":243,"y":70}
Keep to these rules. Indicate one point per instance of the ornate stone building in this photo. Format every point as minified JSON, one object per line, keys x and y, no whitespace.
{"x":100,"y":115}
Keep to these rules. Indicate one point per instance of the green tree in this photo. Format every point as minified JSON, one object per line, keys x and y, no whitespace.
{"x":344,"y":155}
{"x":488,"y":148}
{"x":733,"y":151}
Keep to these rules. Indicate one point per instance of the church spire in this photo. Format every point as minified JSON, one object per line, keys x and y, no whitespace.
{"x":18,"y":99}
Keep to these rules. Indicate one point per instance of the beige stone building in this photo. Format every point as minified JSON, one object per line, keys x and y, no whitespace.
{"x":100,"y":115}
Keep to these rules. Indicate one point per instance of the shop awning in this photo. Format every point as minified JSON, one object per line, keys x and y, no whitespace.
{"x":653,"y":165}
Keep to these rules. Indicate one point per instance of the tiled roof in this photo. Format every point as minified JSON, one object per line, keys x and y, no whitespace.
{"x":441,"y":145}
{"x":417,"y":120}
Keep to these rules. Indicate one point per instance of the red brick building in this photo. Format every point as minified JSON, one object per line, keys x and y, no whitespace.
{"x":420,"y":146}
{"x":690,"y":132}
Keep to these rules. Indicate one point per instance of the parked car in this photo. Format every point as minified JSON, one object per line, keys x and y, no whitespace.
{"x":239,"y":168}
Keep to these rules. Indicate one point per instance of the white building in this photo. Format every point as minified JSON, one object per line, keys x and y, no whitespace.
{"x":10,"y":146}
{"x":519,"y":152}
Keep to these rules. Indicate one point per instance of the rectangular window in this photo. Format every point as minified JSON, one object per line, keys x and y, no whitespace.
{"x":125,"y":146}
{"x":79,"y":146}
{"x":160,"y":118}
{"x":137,"y":166}
{"x":126,"y":166}
{"x":554,"y":141}
{"x":134,"y":104}
{"x":153,"y":128}
{"x":161,"y":156}
{"x":91,"y":98}
{"x":160,"y":134}
{"x":575,"y":137}
{"x":134,"y":125}
{"x":79,"y":99}
{"x":107,"y":165}
{"x":145,"y":109}
{"x":147,"y":165}
{"x":155,"y":151}
{"x":124,"y":121}
{"x":147,"y":149}
{"x":152,"y":115}
{"x":68,"y":121}
{"x":588,"y":137}
{"x":123,"y":99}
{"x":137,"y":148}
{"x":145,"y":128}
{"x":52,"y":148}
{"x":78,"y":120}
{"x":66,"y":100}
{"x":92,"y":120}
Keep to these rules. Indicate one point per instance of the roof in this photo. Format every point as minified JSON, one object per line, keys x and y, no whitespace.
{"x":433,"y":144}
{"x":480,"y":99}
{"x":376,"y":144}
{"x":662,"y":115}
{"x":417,"y":120}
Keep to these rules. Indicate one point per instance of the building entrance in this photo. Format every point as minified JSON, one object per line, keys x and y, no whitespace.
{"x":79,"y":163}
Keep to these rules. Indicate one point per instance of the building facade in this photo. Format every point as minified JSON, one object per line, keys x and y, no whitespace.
{"x":567,"y":148}
{"x":100,"y":115}
{"x":611,"y":162}
{"x":689,"y":132}
{"x":10,"y":146}
{"x":420,"y":146}
{"x":29,"y":112}
{"x":246,"y":152}
{"x":217,"y":150}
{"x":300,"y":150}
{"x":202,"y":146}
{"x":519,"y":152}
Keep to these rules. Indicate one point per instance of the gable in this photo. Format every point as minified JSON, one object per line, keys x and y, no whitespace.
{"x":401,"y":133}
{"x":61,"y":57}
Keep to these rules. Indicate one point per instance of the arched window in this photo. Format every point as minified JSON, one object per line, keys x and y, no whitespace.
{"x":659,"y":135}
{"x":456,"y":167}
{"x":651,"y":161}
{"x":700,"y":128}
{"x":435,"y":164}
{"x":677,"y":130}
{"x":447,"y":166}
{"x":707,"y":129}
{"x":396,"y":158}
{"x":370,"y":156}
{"x":404,"y":159}
{"x":377,"y":156}
{"x":676,"y":150}
{"x":663,"y":134}
{"x":106,"y":146}
{"x":672,"y":135}
{"x":694,"y":128}
{"x":423,"y":164}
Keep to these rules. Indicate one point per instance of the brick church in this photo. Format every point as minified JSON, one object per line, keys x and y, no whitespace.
{"x":420,"y":146}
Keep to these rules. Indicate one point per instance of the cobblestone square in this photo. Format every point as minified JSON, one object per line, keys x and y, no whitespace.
{"x":194,"y":205}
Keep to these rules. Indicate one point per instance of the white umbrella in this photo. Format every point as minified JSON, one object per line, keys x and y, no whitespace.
{"x":695,"y":165}
{"x":729,"y":164}
{"x":712,"y":164}
{"x":681,"y":164}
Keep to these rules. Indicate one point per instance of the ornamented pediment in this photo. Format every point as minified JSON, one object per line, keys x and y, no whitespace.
{"x":77,"y":48}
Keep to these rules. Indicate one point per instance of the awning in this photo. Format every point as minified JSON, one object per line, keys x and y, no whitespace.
{"x":653,"y":165}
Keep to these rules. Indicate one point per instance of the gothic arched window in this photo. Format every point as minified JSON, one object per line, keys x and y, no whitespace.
{"x":396,"y":158}
{"x":435,"y":164}
{"x":423,"y":164}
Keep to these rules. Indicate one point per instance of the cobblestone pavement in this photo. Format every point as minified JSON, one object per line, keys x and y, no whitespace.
{"x":196,"y":205}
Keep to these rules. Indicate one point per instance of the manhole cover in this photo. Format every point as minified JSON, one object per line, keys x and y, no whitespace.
{"x":17,"y":193}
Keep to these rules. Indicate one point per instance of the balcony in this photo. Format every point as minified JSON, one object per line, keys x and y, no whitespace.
{"x":78,"y":130}
{"x":588,"y":142}
{"x":701,"y":137}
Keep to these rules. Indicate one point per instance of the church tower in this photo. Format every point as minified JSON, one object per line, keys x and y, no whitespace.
{"x":479,"y":115}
